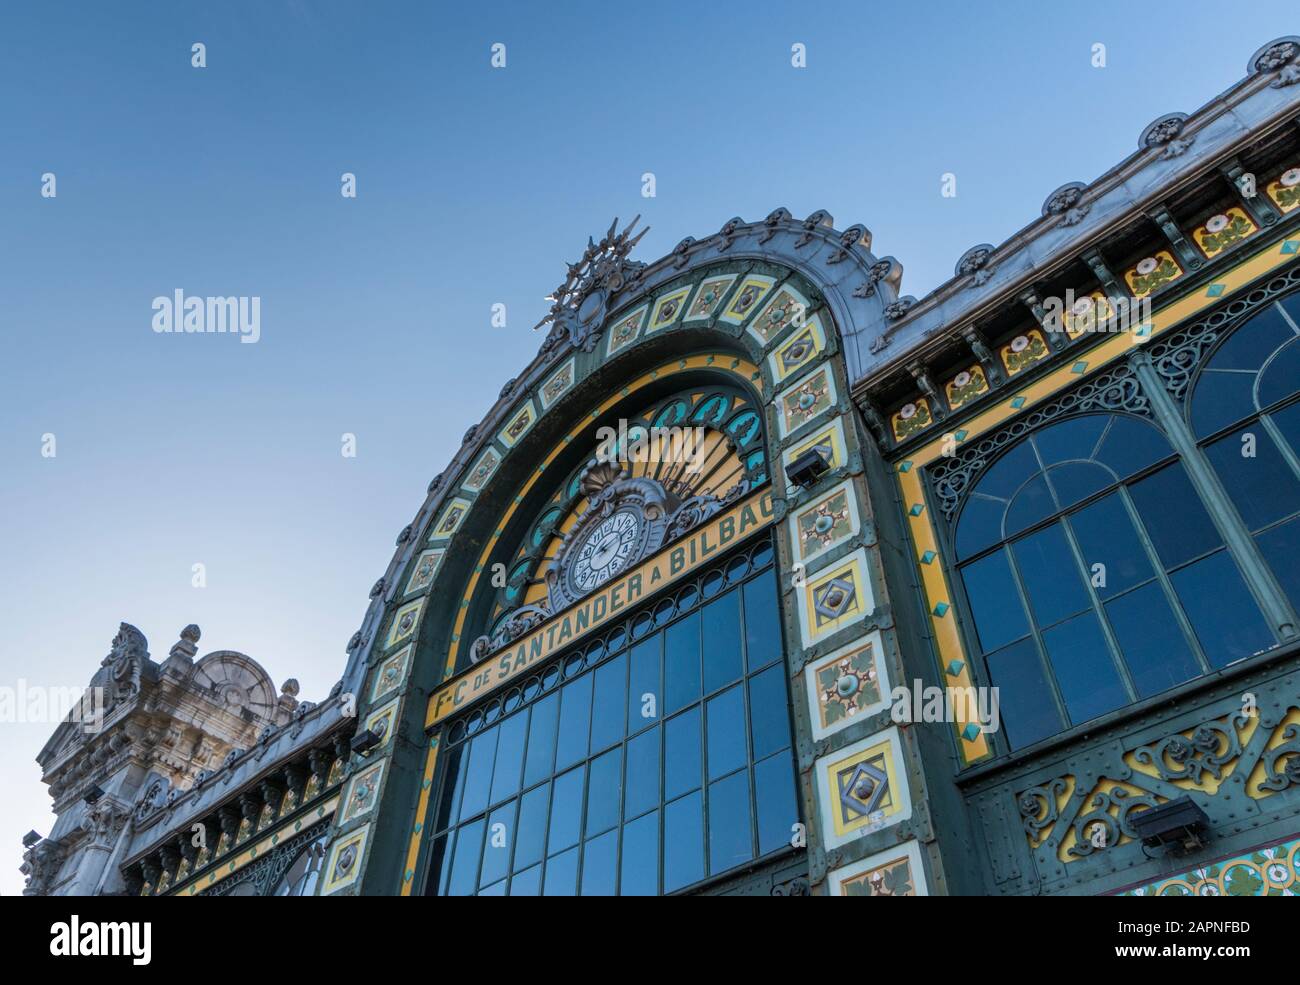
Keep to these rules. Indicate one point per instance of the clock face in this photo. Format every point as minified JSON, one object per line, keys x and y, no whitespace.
{"x":606,"y":551}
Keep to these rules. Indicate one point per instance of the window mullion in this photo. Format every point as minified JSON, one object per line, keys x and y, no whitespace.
{"x":1268,"y":593}
{"x":1116,"y":655}
{"x":1036,"y":634}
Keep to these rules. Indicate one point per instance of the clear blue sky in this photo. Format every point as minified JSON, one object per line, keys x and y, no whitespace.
{"x":475,"y":186}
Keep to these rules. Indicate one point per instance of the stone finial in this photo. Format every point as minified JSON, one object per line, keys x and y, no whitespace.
{"x":184,"y":649}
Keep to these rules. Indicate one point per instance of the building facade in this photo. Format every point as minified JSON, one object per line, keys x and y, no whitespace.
{"x":766,"y":578}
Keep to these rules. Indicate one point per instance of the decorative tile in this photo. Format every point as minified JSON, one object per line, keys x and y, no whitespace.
{"x":383,"y":721}
{"x":519,"y":425}
{"x":344,"y":863}
{"x":557,"y":384}
{"x":708,"y":297}
{"x":668,"y":309}
{"x":862,"y":788}
{"x":1220,"y":231}
{"x":1285,"y":190}
{"x":747,"y":298}
{"x":799,"y":351}
{"x":787,"y":308}
{"x":805,"y":401}
{"x":405,"y":620}
{"x":1023,"y":351}
{"x":449,"y":521}
{"x":1153,"y":273}
{"x":912,"y":418}
{"x":1271,"y":871}
{"x":835,"y":598}
{"x":896,"y":871}
{"x":966,"y":386}
{"x":829,"y":442}
{"x":1090,"y":313}
{"x":847,"y":686}
{"x":626,"y":330}
{"x":390,"y":674}
{"x":482,"y":470}
{"x":426,"y":569}
{"x":825,"y":522}
{"x":363,"y":792}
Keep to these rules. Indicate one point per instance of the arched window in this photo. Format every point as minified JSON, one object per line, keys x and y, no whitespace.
{"x":1095,"y":577}
{"x":1245,"y":412}
{"x":304,"y":871}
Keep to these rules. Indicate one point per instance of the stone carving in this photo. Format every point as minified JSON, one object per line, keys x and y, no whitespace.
{"x":773,"y":223}
{"x":855,"y":235}
{"x":1067,"y":202}
{"x":974,"y":263}
{"x":1281,"y":56}
{"x":878,"y":272}
{"x":899,"y":308}
{"x":1167,"y":132}
{"x":582,"y":301}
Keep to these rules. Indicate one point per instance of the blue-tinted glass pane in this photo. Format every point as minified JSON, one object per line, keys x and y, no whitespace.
{"x":683,"y":842}
{"x":436,"y":885}
{"x":541,"y":739}
{"x":1281,"y":549}
{"x":722,"y":659}
{"x":464,"y":866}
{"x":1258,"y":480}
{"x":453,"y":785}
{"x":1009,"y":472}
{"x":769,"y":711}
{"x":1026,"y":708}
{"x":980,"y":525}
{"x":994,"y":601}
{"x":1252,"y":343}
{"x":562,"y":874}
{"x":640,"y":865}
{"x":478,"y":779}
{"x":1221,"y":610}
{"x":1050,"y":575}
{"x":600,"y":865}
{"x":1105,"y":533}
{"x":1071,"y":439}
{"x":1090,"y":685}
{"x":774,"y":794}
{"x":1033,"y":503}
{"x":575,"y":722}
{"x":527,"y":883}
{"x":1175,"y":520}
{"x":530,"y":839}
{"x":682,"y":663}
{"x":1131,"y":445}
{"x":496,"y":849}
{"x":1221,"y":399}
{"x":682,"y":753}
{"x":725,"y":725}
{"x":499,"y":889}
{"x":1288,"y":422}
{"x":1076,"y":481}
{"x":762,"y":621}
{"x":566,"y":810}
{"x":611,"y":698}
{"x":642,"y":773}
{"x":1155,"y":650}
{"x":1281,"y":377}
{"x":604,"y":791}
{"x":643,"y":697}
{"x":731,"y":840}
{"x":510,"y":756}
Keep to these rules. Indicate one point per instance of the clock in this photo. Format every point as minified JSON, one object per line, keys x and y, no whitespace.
{"x":606,"y":550}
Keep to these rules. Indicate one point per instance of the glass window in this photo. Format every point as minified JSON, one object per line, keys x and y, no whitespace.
{"x":649,"y":771}
{"x":1110,"y":582}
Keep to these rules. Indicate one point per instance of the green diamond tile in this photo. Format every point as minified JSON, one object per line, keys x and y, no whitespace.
{"x":970,"y":732}
{"x":1291,"y":246}
{"x":916,"y":509}
{"x":1215,"y":290}
{"x":1079,"y":367}
{"x":1017,"y":403}
{"x":406,"y":876}
{"x":954,"y":668}
{"x":928,"y":556}
{"x":941,"y":609}
{"x":961,"y":435}
{"x":905,"y":466}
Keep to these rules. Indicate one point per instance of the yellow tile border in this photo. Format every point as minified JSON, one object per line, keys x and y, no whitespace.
{"x":421,"y":812}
